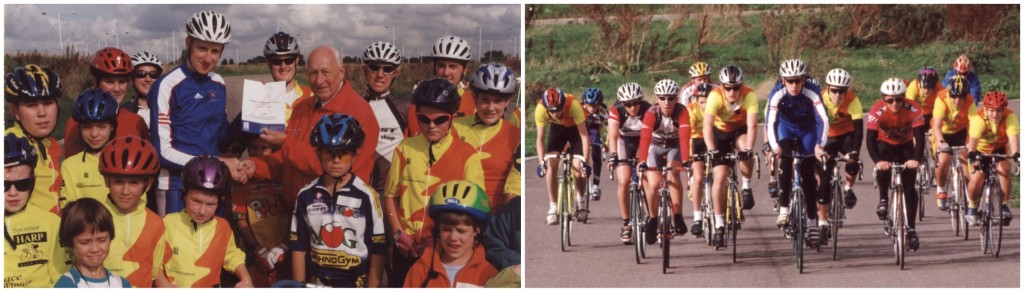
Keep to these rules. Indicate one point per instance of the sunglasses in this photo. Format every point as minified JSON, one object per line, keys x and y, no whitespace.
{"x":838,"y":91}
{"x":437,"y":119}
{"x":730,"y":88}
{"x":666,"y":98}
{"x":957,"y":96}
{"x":893,"y":100}
{"x":387,"y":69}
{"x":631,"y":103}
{"x":142,"y":74}
{"x":22,"y":185}
{"x":336,"y":153}
{"x":279,"y":61}
{"x":794,"y":81}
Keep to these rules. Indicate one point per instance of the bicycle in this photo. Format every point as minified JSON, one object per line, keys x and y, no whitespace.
{"x":990,"y":211}
{"x":637,"y":207}
{"x":925,"y":178}
{"x":567,"y":208}
{"x":797,"y":227}
{"x":837,"y":209}
{"x":957,"y":193}
{"x":706,"y":205}
{"x":896,"y":220}
{"x":733,"y":208}
{"x":665,"y":221}
{"x":773,"y":171}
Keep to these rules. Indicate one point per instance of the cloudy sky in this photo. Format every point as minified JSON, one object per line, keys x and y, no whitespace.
{"x":350,"y":28}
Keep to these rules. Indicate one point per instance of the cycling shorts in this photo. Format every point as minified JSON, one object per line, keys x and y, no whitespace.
{"x":562,"y":135}
{"x":660,"y":156}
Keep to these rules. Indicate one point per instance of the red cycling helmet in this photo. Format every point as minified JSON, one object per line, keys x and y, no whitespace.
{"x":995,"y":99}
{"x":111,"y":62}
{"x":962,"y":64}
{"x":129,"y":155}
{"x":553,"y":99}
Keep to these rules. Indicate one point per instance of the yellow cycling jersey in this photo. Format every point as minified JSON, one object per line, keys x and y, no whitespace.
{"x":495,"y":144}
{"x":696,"y":118}
{"x":46,"y":194}
{"x":413,"y":177}
{"x":572,"y":114}
{"x":925,"y":102}
{"x":991,"y":134}
{"x":82,"y":179}
{"x":728,"y":116}
{"x":194,"y":253}
{"x":133,"y":253}
{"x":33,"y":257}
{"x":953,"y":119}
{"x":841,"y":115}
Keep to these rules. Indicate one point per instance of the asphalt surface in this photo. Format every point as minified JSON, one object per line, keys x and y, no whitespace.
{"x":765,"y":258}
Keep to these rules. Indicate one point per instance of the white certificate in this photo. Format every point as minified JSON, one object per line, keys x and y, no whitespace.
{"x":263,"y":106}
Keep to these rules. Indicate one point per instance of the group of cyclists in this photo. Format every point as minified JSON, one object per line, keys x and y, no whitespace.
{"x":361,"y":189}
{"x":804,"y":120}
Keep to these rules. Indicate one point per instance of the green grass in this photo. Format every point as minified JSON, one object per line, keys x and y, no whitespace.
{"x":562,"y":56}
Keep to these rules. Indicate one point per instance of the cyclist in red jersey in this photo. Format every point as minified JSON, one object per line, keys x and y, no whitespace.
{"x":665,"y":133}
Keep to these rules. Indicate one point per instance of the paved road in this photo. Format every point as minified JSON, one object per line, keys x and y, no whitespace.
{"x":765,"y":258}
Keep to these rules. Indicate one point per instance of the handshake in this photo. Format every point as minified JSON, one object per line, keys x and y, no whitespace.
{"x":241,"y":170}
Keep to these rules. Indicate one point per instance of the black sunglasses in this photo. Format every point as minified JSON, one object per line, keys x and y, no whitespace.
{"x":838,"y":91}
{"x":666,"y":98}
{"x":893,"y":100}
{"x":143,"y":74}
{"x":22,"y":185}
{"x":957,"y":96}
{"x":279,"y":61}
{"x":631,"y":103}
{"x":441,"y":119}
{"x":794,"y":81}
{"x":387,"y":69}
{"x":730,"y":88}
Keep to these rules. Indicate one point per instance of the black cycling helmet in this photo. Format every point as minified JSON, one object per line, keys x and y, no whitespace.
{"x":437,"y":93}
{"x":337,"y":131}
{"x":31,"y":83}
{"x":703,"y":90}
{"x":208,"y":173}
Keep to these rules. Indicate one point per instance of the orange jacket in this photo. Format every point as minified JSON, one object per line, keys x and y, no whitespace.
{"x":128,"y":123}
{"x":476,"y":272}
{"x":297,"y":163}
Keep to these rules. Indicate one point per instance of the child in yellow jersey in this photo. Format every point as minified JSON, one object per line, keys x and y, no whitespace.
{"x":87,"y":229}
{"x":260,"y":216}
{"x":199,"y":244}
{"x":96,"y":114}
{"x":32,"y":256}
{"x":993,"y":130}
{"x":31,"y":93}
{"x":129,"y":165}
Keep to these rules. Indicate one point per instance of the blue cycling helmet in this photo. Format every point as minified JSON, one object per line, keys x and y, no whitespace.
{"x":593,"y":96}
{"x":437,"y":93}
{"x":94,"y":105}
{"x":17,"y":150}
{"x":553,"y":99}
{"x":337,"y":131}
{"x":31,"y":83}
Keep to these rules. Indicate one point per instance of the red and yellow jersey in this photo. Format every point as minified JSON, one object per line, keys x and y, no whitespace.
{"x":82,"y":179}
{"x":925,"y":102}
{"x":895,"y":128}
{"x":728,"y":116}
{"x":954,"y":119}
{"x":296,"y":95}
{"x":132,"y":252}
{"x":33,"y":257}
{"x":46,"y":194}
{"x":572,"y":114}
{"x":991,"y":134}
{"x":496,"y":145}
{"x":413,"y":177}
{"x":261,"y":203}
{"x":194,"y":253}
{"x":696,"y":120}
{"x":841,"y":115}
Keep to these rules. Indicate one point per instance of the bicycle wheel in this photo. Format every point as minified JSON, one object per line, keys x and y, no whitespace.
{"x":962,"y":198}
{"x":733,"y":221}
{"x":571,"y":209}
{"x":985,"y":214}
{"x":707,"y":210}
{"x":900,"y":228}
{"x":585,"y":204}
{"x":665,"y":228}
{"x":922,"y":189}
{"x":563,"y":213}
{"x":954,"y":201}
{"x":634,"y":208}
{"x":797,"y":219}
{"x":997,"y":212}
{"x":836,"y":216}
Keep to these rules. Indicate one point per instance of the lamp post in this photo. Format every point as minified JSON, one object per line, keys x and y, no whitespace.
{"x":392,"y":33}
{"x":479,"y":38}
{"x":60,"y":32}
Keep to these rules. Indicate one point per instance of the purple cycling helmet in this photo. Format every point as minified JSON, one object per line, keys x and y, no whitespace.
{"x":207,"y":173}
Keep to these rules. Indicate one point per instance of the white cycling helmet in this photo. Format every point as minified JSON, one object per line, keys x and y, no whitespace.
{"x":792,"y":68}
{"x":452,"y":47}
{"x":731,"y":75}
{"x":209,"y":26}
{"x":145,"y":58}
{"x":383,"y":52}
{"x":494,"y":78}
{"x":666,"y":87}
{"x":838,"y":78}
{"x":281,"y":44}
{"x":630,"y":91}
{"x":894,"y":86}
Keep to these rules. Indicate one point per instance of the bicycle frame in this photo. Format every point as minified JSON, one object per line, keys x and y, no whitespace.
{"x":990,"y":210}
{"x":637,"y":206}
{"x":797,"y":226}
{"x":898,"y":214}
